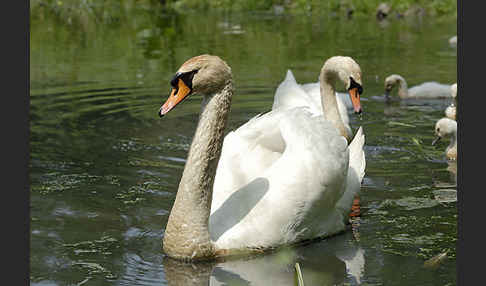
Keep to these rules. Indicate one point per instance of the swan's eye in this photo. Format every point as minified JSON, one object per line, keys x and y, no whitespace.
{"x":185,"y":76}
{"x":438,"y":129}
{"x":354,"y":84}
{"x":174,"y":80}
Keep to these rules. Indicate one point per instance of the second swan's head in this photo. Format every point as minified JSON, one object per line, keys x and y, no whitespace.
{"x":349,"y":72}
{"x":204,"y":74}
{"x":390,"y":82}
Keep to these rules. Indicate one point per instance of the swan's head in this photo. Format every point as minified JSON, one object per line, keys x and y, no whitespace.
{"x":445,"y":127}
{"x":204,"y":74}
{"x":390,"y":83}
{"x":454,"y":90}
{"x":349,"y":72}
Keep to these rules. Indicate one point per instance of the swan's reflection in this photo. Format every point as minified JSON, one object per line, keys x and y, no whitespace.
{"x":452,"y":168}
{"x":332,"y":261}
{"x":452,"y":182}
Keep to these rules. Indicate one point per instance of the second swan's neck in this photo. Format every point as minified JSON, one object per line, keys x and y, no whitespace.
{"x":327,"y":81}
{"x":187,"y":234}
{"x":402,"y":88}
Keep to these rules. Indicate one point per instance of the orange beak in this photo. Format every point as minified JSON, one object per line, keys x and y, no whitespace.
{"x":354,"y":94}
{"x":176,"y":96}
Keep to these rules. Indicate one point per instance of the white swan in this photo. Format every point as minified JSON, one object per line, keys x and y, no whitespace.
{"x":450,"y":111}
{"x":290,"y":94}
{"x":446,"y":127}
{"x":284,"y":177}
{"x":426,"y":90}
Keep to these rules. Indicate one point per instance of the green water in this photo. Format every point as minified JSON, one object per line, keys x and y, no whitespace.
{"x":104,"y":167}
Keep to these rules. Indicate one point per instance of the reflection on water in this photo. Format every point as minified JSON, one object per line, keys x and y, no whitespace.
{"x":104,"y":168}
{"x":339,"y":260}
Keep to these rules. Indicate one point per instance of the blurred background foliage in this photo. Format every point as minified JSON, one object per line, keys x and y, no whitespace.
{"x":108,"y":11}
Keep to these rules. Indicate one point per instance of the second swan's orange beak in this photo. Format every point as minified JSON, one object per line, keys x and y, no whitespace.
{"x":176,"y":96}
{"x":354,"y":94}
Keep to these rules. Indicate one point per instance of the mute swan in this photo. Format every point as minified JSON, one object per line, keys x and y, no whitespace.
{"x":283,"y":177}
{"x":426,"y":90}
{"x":450,"y":111}
{"x":446,"y":127}
{"x":290,"y":94}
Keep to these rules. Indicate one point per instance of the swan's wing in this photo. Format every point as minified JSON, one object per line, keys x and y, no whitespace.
{"x":311,"y":87}
{"x":430,"y":89}
{"x":289,"y":94}
{"x":357,"y":159}
{"x":356,"y":172}
{"x":314,"y":92}
{"x":295,"y":196}
{"x":246,"y":153}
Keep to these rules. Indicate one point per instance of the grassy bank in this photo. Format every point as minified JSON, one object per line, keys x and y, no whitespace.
{"x":359,"y":7}
{"x":105,"y":10}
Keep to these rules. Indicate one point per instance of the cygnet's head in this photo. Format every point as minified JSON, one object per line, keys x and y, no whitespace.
{"x":445,"y":127}
{"x":391,"y":81}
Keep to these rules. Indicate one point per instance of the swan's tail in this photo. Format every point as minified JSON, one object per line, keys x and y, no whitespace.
{"x":289,"y":76}
{"x":356,"y":172}
{"x":289,"y":94}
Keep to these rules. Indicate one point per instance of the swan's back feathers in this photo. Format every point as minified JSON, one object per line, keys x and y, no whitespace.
{"x":263,"y":129}
{"x":306,"y":178}
{"x":246,"y":153}
{"x":289,"y":94}
{"x":430,"y":89}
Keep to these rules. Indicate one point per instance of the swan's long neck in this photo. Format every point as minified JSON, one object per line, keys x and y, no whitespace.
{"x":327,"y":80}
{"x":187,"y":234}
{"x":402,"y":87}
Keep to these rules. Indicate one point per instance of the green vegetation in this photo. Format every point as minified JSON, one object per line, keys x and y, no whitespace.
{"x":299,"y":280}
{"x":434,"y":7}
{"x":72,"y":10}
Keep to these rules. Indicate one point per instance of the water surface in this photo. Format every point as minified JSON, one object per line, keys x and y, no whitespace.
{"x":104,"y":169}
